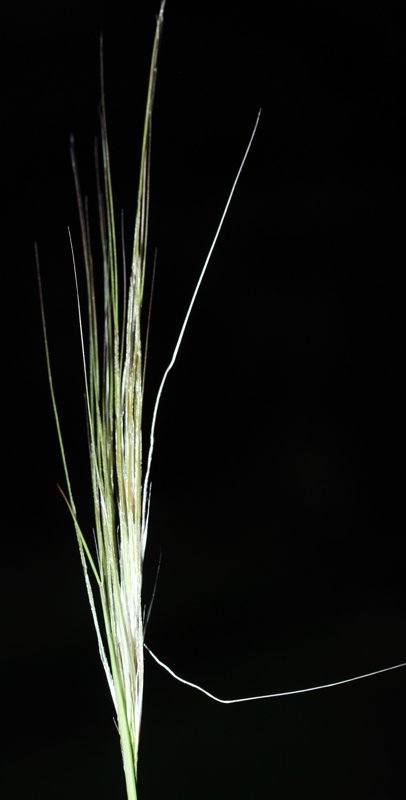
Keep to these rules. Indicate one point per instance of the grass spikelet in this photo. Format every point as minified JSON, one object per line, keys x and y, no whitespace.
{"x":113,"y":373}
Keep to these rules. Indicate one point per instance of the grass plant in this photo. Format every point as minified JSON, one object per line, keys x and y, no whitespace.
{"x":114,"y":381}
{"x":114,"y":373}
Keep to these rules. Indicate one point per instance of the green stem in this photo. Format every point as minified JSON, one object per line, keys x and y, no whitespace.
{"x":126,"y":746}
{"x":129,"y":757}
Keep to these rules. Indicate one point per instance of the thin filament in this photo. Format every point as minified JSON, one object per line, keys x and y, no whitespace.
{"x":274,"y":694}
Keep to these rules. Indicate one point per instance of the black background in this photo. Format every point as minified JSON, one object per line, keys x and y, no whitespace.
{"x":278,"y":479}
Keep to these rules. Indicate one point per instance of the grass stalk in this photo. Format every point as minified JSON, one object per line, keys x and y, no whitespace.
{"x":113,"y":376}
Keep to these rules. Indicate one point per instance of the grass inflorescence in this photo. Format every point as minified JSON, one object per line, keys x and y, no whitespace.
{"x":114,"y":380}
{"x":114,"y":372}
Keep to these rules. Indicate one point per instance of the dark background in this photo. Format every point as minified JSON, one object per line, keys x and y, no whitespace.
{"x":279,"y":475}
